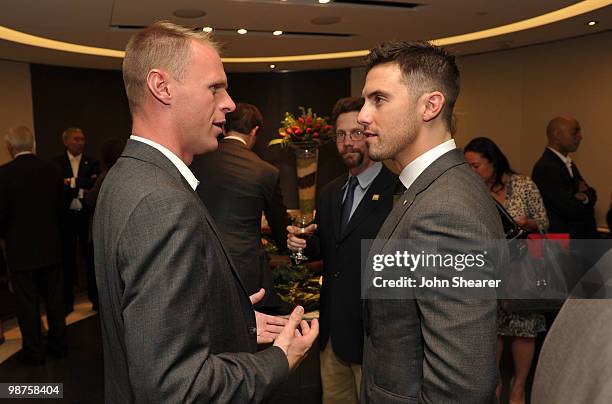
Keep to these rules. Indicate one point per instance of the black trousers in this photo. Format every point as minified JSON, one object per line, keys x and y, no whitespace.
{"x":75,"y":236}
{"x":31,"y":287}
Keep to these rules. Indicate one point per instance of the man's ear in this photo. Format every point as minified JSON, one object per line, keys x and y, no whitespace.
{"x":9,"y":148}
{"x":158,"y":83}
{"x":434,"y":102}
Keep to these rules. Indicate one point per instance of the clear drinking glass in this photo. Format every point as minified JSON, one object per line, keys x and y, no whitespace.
{"x":301,"y":222}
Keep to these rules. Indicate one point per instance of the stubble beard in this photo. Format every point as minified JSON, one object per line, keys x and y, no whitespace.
{"x":394,"y":142}
{"x":353,"y":161}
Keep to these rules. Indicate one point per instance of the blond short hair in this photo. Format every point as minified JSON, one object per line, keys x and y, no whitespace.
{"x":69,"y":132}
{"x":163,"y":45}
{"x":21,"y":139}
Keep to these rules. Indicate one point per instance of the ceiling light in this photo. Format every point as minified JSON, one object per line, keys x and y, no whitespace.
{"x":323,"y":1}
{"x":277,"y":33}
{"x":207,"y":29}
{"x":581,"y":7}
{"x":272,"y":66}
{"x":591,"y":23}
{"x":242,"y":31}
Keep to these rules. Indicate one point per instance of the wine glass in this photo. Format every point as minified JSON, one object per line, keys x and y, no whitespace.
{"x":301,"y":221}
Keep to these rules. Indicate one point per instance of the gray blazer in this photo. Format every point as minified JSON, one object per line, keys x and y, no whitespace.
{"x":434,"y":350}
{"x":177,"y":324}
{"x":575,"y":364}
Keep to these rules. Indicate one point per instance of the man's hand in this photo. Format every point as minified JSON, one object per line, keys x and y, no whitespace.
{"x":268,"y":327}
{"x":295,"y":243}
{"x":582,"y":186}
{"x":297,"y":337}
{"x":582,"y":197}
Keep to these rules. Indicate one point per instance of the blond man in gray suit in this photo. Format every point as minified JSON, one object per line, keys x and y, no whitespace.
{"x":177,"y":323}
{"x":439,"y":350}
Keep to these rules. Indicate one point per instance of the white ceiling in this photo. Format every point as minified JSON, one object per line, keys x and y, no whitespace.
{"x":97,"y":22}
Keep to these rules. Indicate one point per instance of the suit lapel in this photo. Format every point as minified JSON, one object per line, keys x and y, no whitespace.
{"x":369,"y":204}
{"x":143,"y":151}
{"x":445,"y":162}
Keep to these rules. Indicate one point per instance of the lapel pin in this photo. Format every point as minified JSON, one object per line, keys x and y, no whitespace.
{"x":375,"y":197}
{"x":405,"y":201}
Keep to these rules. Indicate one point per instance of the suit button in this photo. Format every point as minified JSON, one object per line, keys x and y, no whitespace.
{"x":336,"y":274}
{"x":253,"y":330}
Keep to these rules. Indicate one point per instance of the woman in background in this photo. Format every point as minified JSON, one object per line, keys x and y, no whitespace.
{"x":521,"y":198}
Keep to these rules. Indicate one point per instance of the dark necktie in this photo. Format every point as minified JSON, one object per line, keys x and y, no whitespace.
{"x":399,"y":191}
{"x":347,"y":205}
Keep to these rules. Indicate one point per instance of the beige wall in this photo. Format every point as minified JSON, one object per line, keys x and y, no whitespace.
{"x":15,"y":100}
{"x":511,"y":95}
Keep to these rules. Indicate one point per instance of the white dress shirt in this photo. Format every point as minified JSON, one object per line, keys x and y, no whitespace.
{"x":412,"y":171}
{"x":241,"y":140}
{"x":178,"y":163}
{"x":75,"y":162}
{"x":566,"y":160}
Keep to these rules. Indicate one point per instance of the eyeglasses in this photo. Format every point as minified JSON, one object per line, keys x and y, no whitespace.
{"x":354,"y":135}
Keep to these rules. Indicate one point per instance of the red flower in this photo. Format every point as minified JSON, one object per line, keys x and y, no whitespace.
{"x":315,"y":135}
{"x":301,"y":120}
{"x":309,"y":120}
{"x":308,"y":130}
{"x":298,"y":131}
{"x":289,"y":131}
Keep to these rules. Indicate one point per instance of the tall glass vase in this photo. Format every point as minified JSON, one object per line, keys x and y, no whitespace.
{"x":306,"y":157}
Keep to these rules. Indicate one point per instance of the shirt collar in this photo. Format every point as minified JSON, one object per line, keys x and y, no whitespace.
{"x":412,"y":171}
{"x":366,"y":177}
{"x":182,"y":167}
{"x":566,"y":159}
{"x":23,"y":153}
{"x":236,"y":138}
{"x":71,"y":157}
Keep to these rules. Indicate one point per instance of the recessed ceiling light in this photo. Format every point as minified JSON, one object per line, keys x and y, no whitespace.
{"x":189,"y":13}
{"x":323,"y":1}
{"x":278,"y":32}
{"x":591,"y":23}
{"x":207,"y":29}
{"x":242,"y":31}
{"x":272,"y":66}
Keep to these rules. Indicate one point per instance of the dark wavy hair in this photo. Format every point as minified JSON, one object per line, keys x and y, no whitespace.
{"x":243,"y":119}
{"x":426,"y":67}
{"x":490,"y":151}
{"x":344,"y":105}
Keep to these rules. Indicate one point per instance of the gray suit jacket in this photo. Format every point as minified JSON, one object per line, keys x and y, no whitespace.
{"x":177,"y":324}
{"x":438,"y":350}
{"x":575,"y":362}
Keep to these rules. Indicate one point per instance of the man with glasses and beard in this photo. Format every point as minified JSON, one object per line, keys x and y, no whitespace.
{"x":349,"y":209}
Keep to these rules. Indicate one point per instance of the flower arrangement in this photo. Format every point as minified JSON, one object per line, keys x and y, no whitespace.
{"x":306,"y":128}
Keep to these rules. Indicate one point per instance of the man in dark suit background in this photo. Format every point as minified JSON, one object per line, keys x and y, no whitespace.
{"x":436,"y":348}
{"x":569,"y":200}
{"x":246,"y":187}
{"x":30,"y":211}
{"x":177,"y":323}
{"x":350,"y":208}
{"x":80,"y":173}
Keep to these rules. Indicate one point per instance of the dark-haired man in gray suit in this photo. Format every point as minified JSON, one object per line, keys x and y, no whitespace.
{"x":439,"y":350}
{"x":177,"y":323}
